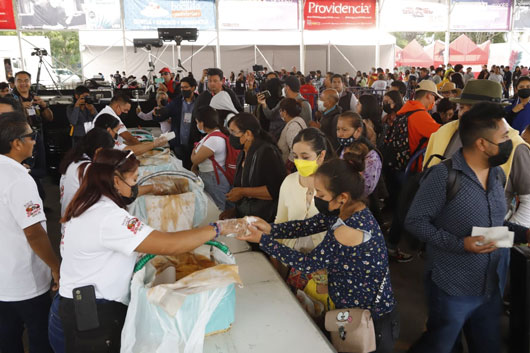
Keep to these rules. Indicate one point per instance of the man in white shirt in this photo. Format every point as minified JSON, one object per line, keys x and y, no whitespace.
{"x":120,"y":105}
{"x":496,"y":76}
{"x":26,"y":252}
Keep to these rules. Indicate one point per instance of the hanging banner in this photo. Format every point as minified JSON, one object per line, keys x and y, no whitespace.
{"x":414,"y":16}
{"x":329,"y":14}
{"x":521,"y":15}
{"x":7,"y":19}
{"x":258,"y":14}
{"x":141,"y":14}
{"x":68,"y":14}
{"x":480,"y":15}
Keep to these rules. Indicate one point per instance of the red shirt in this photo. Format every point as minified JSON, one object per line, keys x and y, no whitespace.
{"x":308,"y":91}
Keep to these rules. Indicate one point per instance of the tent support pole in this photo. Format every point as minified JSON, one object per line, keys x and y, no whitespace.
{"x":329,"y":58}
{"x":302,"y":44}
{"x":345,"y":58}
{"x":218,"y":44}
{"x":378,"y":7}
{"x":269,"y":66}
{"x":122,"y":10}
{"x":447,"y":34}
{"x":19,"y":36}
{"x":255,"y":55}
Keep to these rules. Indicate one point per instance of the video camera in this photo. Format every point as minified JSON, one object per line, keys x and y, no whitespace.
{"x":39,"y":52}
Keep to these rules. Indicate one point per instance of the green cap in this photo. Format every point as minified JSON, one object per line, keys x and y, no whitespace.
{"x":477,"y":91}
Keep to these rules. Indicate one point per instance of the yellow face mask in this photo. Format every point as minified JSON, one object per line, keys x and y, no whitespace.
{"x":306,"y":168}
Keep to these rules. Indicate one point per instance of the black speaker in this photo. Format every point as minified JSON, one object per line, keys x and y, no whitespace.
{"x":520,"y":299}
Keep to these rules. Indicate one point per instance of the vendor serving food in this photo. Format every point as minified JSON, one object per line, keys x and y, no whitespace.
{"x":99,"y":247}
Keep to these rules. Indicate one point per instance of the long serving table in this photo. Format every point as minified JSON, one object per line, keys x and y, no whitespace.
{"x":269,"y":318}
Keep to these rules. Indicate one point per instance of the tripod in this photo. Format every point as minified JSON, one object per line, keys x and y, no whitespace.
{"x":41,"y":63}
{"x":150,"y":87}
{"x":179,"y":39}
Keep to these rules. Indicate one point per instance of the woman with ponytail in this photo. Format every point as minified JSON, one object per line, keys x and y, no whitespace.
{"x":99,"y":247}
{"x":260,"y":170}
{"x":353,"y":250}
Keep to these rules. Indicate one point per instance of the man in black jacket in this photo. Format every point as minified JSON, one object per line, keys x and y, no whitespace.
{"x":329,"y":110}
{"x":180,"y":110}
{"x":215,"y":85}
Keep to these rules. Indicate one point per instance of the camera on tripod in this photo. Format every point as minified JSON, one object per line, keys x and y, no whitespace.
{"x":39,"y":52}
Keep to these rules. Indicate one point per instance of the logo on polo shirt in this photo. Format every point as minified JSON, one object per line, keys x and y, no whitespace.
{"x":133,"y":224}
{"x":32,"y":209}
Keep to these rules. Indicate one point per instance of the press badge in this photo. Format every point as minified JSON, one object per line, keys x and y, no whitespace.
{"x":187,"y":118}
{"x":31,"y":111}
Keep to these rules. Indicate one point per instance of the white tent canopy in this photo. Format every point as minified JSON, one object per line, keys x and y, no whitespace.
{"x":239,"y":50}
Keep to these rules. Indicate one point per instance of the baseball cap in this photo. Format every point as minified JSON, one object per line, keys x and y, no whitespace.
{"x":429,"y":86}
{"x":165,"y":69}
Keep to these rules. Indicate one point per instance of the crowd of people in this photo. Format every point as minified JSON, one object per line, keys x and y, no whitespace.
{"x":322,"y":161}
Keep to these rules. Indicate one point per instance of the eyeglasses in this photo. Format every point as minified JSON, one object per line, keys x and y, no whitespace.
{"x":32,"y":135}
{"x":164,"y":73}
{"x":122,"y":162}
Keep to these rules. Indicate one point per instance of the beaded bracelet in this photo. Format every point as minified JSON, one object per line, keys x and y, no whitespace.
{"x":216,"y":227}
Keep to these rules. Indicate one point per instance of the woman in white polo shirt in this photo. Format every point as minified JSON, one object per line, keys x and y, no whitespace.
{"x":99,"y":248}
{"x":213,"y":145}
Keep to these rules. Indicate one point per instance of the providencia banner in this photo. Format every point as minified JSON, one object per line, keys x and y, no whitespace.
{"x":142,"y":14}
{"x":7,"y":19}
{"x":414,"y":15}
{"x":480,"y":15}
{"x":336,"y":14}
{"x":69,"y":14}
{"x":258,"y":14}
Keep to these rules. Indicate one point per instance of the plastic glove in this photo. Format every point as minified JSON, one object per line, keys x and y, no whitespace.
{"x":235,"y":227}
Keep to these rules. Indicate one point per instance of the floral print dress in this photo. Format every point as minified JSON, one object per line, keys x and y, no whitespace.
{"x":355,"y":273}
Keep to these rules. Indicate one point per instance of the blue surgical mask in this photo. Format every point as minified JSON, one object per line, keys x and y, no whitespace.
{"x":201,"y":131}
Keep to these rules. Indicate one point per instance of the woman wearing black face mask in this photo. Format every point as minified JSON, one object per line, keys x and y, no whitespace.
{"x":112,"y":125}
{"x":260,"y":170}
{"x":519,"y":112}
{"x":100,"y":245}
{"x":353,"y":250}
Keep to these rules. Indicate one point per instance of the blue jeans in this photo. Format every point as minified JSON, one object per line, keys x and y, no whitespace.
{"x":478,"y":316}
{"x":55,"y":327}
{"x":31,"y":313}
{"x":216,"y":191}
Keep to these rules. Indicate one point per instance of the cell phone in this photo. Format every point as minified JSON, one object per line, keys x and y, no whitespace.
{"x":89,"y":100}
{"x":159,"y":80}
{"x":266,"y":94}
{"x":86,"y":310}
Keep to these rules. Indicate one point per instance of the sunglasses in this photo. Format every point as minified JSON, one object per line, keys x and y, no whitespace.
{"x":32,"y":135}
{"x":122,"y":162}
{"x":165,"y":73}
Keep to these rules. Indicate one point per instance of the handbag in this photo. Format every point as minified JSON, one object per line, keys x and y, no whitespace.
{"x":352,"y":330}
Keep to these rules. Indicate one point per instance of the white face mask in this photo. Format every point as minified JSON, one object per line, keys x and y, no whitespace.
{"x":321,"y":107}
{"x":283,"y":92}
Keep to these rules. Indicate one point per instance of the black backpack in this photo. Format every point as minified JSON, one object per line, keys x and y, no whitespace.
{"x":396,"y":151}
{"x":412,"y":184}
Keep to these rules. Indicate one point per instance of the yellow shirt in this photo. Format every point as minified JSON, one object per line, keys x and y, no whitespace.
{"x":292,"y":206}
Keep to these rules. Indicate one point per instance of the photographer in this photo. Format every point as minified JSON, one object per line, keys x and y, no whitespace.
{"x":79,"y":113}
{"x":170,"y":86}
{"x":164,"y":121}
{"x":36,"y":111}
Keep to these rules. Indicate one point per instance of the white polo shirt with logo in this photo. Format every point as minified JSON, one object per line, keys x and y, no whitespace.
{"x":98,"y":248}
{"x":23,"y":275}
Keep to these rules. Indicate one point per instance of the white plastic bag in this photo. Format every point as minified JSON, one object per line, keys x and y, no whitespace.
{"x":172,"y":318}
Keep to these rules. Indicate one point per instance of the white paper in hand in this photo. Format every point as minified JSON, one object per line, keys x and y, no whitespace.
{"x":169,"y":135}
{"x":502,"y":237}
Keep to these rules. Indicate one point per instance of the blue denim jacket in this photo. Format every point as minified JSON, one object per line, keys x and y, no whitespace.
{"x":444,"y":225}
